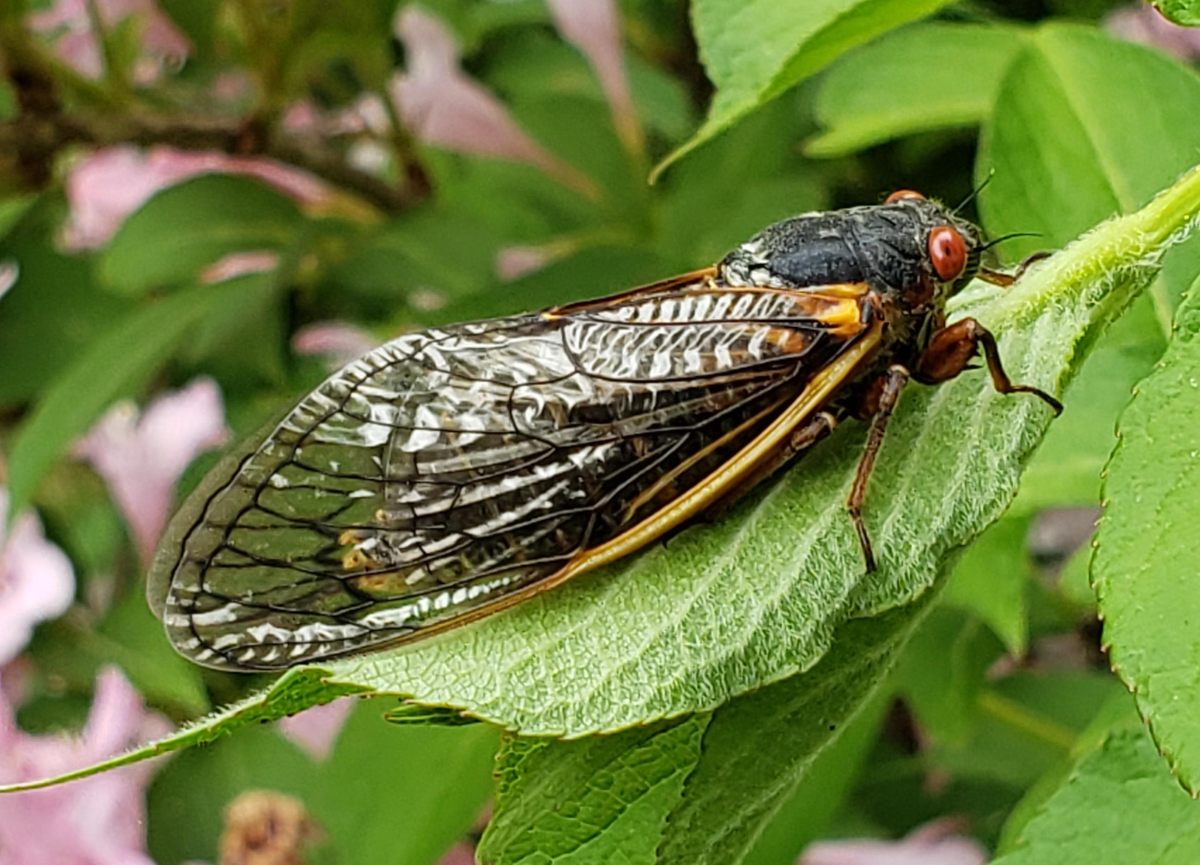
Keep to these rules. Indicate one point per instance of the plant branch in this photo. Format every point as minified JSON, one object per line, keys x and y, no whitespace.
{"x":43,"y":127}
{"x":45,"y":134}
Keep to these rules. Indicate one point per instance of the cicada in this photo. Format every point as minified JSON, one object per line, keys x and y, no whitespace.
{"x":454,"y":472}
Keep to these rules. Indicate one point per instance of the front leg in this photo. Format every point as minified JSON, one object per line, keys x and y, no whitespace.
{"x":951,"y":350}
{"x":1004,"y":280}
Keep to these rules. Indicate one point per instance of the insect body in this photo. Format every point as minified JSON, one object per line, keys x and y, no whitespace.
{"x":453,"y":472}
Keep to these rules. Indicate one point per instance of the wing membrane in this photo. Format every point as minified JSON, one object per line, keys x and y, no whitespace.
{"x":452,"y":469}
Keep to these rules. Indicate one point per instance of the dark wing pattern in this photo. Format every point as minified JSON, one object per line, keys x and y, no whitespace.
{"x":449,"y":469}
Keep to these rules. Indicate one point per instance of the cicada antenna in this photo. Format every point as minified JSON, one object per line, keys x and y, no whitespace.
{"x":974,"y":193}
{"x":1009,"y":236}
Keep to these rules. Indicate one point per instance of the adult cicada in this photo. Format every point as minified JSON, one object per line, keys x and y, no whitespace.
{"x":454,"y":472}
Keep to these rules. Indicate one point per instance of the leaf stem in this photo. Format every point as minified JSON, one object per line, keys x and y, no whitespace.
{"x":1018,"y":716}
{"x":1113,"y":251}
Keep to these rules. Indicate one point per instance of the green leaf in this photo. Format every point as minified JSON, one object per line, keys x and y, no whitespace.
{"x":692,"y":791}
{"x":427,"y":788}
{"x":928,"y":76}
{"x":592,"y":272}
{"x":12,"y":209}
{"x":193,"y":224}
{"x":990,"y":581}
{"x":602,"y":799}
{"x":1119,"y":805}
{"x":716,"y":198}
{"x":113,"y":366}
{"x":1113,"y":714}
{"x":942,"y":672}
{"x":725,"y":608}
{"x":1184,"y":12}
{"x":1073,"y":138}
{"x":8,"y":101}
{"x":243,"y":342}
{"x":1025,"y":723}
{"x":534,"y":62}
{"x":446,"y":252}
{"x":754,"y":51}
{"x":198,"y":21}
{"x":733,"y":792}
{"x":1145,"y":563}
{"x":821,"y":792}
{"x":55,"y":309}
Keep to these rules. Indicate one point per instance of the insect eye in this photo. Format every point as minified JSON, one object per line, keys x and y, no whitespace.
{"x":948,"y":252}
{"x":902,"y":194}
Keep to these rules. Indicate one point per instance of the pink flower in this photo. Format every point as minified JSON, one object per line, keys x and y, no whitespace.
{"x":97,"y":821}
{"x":316,"y":729}
{"x":513,"y":262}
{"x":1145,"y":25}
{"x":141,"y":458}
{"x":36,"y":582}
{"x":9,"y":272}
{"x":446,"y":108}
{"x":108,"y":185}
{"x":935,"y":843}
{"x":68,"y":24}
{"x":338,"y":341}
{"x":240,"y":264}
{"x":594,"y":27}
{"x":461,"y":853}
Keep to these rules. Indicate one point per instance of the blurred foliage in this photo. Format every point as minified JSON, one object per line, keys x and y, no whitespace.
{"x":987,"y":700}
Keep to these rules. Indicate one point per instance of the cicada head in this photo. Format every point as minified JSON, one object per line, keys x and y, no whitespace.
{"x":908,"y":246}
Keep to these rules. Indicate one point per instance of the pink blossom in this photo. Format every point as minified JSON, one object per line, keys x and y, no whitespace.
{"x":141,"y":457}
{"x":68,"y":24}
{"x":9,"y":272}
{"x":36,"y":581}
{"x":231,"y":85}
{"x":427,"y":299}
{"x":366,"y":123}
{"x":96,"y":821}
{"x":1145,"y":25}
{"x":513,"y":262}
{"x":936,"y":843}
{"x":366,"y":114}
{"x":316,"y":729}
{"x":461,"y":853}
{"x":338,"y":341}
{"x":109,"y":184}
{"x":446,"y":108}
{"x":594,"y":27}
{"x":240,"y":264}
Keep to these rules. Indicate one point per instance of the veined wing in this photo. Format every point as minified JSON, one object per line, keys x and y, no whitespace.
{"x":453,"y":471}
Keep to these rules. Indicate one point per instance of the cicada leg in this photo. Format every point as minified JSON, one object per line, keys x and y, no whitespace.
{"x":997,"y":277}
{"x":893,"y":383}
{"x":951,"y":350}
{"x":805,"y":436}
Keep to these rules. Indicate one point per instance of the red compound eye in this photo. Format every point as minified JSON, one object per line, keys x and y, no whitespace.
{"x":901,"y":194}
{"x":948,"y":252}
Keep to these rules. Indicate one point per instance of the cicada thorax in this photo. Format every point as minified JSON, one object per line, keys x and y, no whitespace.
{"x":908,"y":255}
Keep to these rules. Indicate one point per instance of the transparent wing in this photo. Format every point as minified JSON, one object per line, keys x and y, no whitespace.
{"x":449,"y":469}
